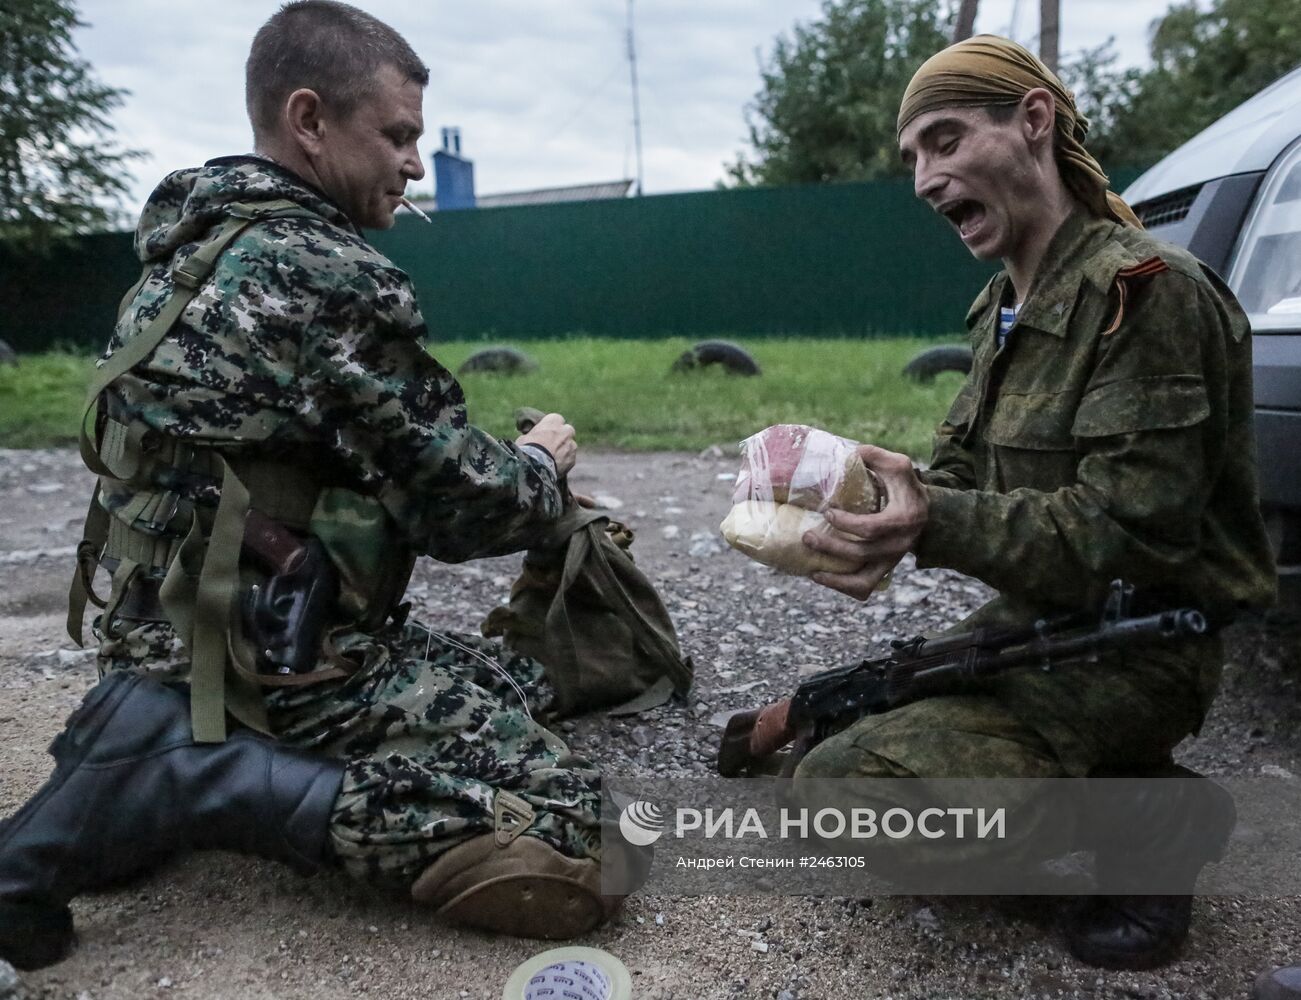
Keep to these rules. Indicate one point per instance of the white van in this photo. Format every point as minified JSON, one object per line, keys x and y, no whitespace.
{"x":1232,"y":196}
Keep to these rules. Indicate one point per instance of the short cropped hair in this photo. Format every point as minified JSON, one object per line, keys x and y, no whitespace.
{"x":1001,"y":113}
{"x":325,"y":46}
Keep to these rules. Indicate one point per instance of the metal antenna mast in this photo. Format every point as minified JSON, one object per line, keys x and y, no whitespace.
{"x":636,"y":104}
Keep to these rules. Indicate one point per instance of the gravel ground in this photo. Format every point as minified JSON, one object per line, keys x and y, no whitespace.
{"x":217,"y":926}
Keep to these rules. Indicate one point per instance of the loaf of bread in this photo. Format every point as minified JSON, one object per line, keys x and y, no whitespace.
{"x":773,"y":534}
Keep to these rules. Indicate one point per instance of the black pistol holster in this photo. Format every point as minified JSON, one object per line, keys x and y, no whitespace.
{"x":286,"y":616}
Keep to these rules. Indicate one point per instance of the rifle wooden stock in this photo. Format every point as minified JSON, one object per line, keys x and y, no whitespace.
{"x":753,"y":735}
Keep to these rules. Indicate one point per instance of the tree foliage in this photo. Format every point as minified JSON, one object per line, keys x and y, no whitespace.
{"x":1205,"y":62}
{"x":830,"y":93}
{"x":1105,"y":95}
{"x":60,"y":171}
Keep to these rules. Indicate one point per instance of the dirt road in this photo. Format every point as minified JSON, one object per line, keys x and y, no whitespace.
{"x":220,"y":927}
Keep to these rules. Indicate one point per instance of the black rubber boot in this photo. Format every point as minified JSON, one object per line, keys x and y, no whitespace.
{"x":1130,"y":932}
{"x":130,"y":788}
{"x":1169,"y":831}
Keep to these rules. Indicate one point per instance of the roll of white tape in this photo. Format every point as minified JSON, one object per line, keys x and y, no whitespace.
{"x":570,"y":974}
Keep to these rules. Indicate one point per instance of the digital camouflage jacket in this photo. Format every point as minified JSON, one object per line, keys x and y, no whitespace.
{"x":307,"y":344}
{"x":1110,"y":437}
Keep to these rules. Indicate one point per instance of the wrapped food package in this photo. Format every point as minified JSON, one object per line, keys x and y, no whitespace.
{"x":807,"y":467}
{"x":790,"y":473}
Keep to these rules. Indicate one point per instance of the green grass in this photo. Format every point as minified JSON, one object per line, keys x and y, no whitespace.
{"x":617,"y":393}
{"x":620,"y":393}
{"x":41,"y":399}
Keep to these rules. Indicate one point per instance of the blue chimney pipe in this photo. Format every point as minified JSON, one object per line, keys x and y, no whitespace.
{"x":453,"y":174}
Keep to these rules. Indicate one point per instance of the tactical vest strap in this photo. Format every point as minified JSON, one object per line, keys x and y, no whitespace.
{"x":186,"y":280}
{"x":214,"y":610}
{"x":82,"y":590}
{"x":202,"y":580}
{"x":126,"y":572}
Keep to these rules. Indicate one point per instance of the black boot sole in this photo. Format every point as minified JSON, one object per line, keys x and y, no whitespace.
{"x":35,"y":933}
{"x":1127,"y":961}
{"x":1165,"y":947}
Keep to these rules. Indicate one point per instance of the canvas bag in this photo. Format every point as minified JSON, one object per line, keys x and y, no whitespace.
{"x":591,"y":618}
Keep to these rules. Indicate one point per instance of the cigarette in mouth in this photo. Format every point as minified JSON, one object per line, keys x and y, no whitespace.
{"x":406,"y":203}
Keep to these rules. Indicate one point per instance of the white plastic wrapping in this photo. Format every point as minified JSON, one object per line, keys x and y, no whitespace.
{"x":790,"y":474}
{"x":807,"y":467}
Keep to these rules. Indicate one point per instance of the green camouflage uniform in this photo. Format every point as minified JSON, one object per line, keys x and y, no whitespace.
{"x":1111,"y":436}
{"x":306,"y":346}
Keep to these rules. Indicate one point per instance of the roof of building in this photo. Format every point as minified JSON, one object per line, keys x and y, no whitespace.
{"x":545,"y":196}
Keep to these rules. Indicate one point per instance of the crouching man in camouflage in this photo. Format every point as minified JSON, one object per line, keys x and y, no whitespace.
{"x":274,"y":448}
{"x":1105,"y":431}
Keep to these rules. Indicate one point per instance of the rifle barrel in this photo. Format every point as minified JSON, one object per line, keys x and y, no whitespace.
{"x":1173,"y":624}
{"x":911,"y":678}
{"x":990,"y":638}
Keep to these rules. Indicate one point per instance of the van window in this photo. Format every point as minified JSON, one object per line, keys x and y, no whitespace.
{"x":1267,"y":270}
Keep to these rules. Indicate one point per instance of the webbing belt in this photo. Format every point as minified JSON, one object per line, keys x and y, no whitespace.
{"x":202,"y":583}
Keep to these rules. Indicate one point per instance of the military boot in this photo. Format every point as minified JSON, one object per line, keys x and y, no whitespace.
{"x":131,"y":787}
{"x":520,"y":885}
{"x":1161,"y":834}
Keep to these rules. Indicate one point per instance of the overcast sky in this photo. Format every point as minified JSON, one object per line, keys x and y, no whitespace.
{"x":539,"y":88}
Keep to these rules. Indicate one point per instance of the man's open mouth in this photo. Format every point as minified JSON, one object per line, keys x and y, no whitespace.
{"x":965,"y":215}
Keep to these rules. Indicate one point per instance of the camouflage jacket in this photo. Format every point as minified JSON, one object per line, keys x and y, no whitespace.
{"x":1110,"y":437}
{"x":307,"y":344}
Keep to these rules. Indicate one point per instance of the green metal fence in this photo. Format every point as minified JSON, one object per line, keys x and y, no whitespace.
{"x":817,"y":260}
{"x":67,"y":299}
{"x":824,"y":260}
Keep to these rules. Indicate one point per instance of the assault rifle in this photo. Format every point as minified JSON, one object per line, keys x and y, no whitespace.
{"x":828,"y":702}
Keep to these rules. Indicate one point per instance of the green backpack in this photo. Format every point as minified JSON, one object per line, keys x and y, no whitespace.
{"x":589,"y":615}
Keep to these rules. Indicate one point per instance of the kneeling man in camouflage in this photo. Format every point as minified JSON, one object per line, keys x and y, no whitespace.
{"x":274,"y":448}
{"x":1105,"y":431}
